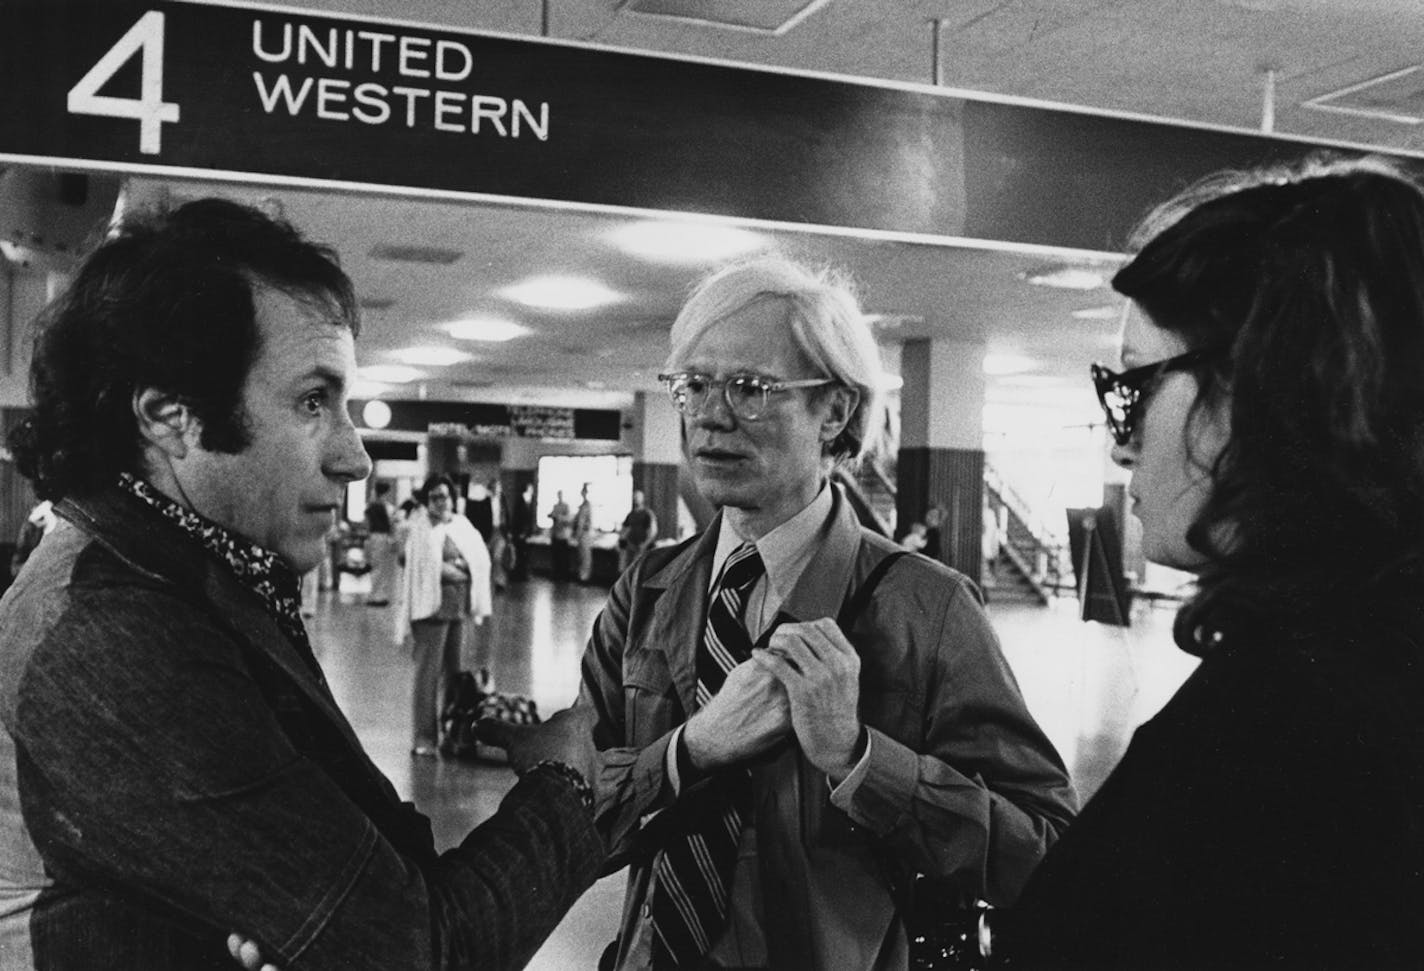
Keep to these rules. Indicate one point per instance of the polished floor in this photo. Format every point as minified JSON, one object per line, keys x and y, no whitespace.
{"x":1087,"y":684}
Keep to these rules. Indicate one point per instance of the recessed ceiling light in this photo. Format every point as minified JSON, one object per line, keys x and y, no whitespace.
{"x":1064,"y":277}
{"x":891,"y":382}
{"x":595,"y":385}
{"x":561,"y":293}
{"x":390,"y":373}
{"x":666,"y":241}
{"x":1000,"y":364}
{"x":1106,"y":312}
{"x":431,"y":356}
{"x":486,"y":329}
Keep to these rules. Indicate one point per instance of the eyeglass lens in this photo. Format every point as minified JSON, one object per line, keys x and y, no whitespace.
{"x":746,"y":395}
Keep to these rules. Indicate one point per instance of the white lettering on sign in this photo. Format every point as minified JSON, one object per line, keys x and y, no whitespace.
{"x":149,"y":109}
{"x":384,"y":99}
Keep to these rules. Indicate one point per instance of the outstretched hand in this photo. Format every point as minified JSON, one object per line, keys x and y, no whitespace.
{"x":567,"y":736}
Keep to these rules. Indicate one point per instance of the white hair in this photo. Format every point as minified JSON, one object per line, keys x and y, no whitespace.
{"x":826,"y":323}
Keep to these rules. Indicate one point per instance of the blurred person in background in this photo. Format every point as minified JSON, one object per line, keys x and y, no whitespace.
{"x":447,"y":582}
{"x":584,"y":535}
{"x":381,"y":551}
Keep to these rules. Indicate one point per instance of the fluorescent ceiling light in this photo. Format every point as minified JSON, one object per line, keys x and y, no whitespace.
{"x":486,"y":329}
{"x":561,"y":293}
{"x":362,"y":388}
{"x":390,"y":373}
{"x":1106,"y":312}
{"x":664,"y":241}
{"x":1064,"y":277}
{"x":1000,"y":364}
{"x":431,"y":356}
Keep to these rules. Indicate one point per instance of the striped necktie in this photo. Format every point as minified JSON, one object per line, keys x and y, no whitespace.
{"x":693,"y":873}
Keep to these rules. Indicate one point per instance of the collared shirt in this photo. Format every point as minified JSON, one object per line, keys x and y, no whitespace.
{"x":786,"y":551}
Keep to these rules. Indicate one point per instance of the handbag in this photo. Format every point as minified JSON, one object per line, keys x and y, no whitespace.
{"x":942,"y":929}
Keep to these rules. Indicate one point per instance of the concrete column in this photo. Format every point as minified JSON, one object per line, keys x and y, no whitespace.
{"x":941,"y":459}
{"x":657,"y":457}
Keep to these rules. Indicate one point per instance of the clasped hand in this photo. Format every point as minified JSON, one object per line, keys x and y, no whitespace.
{"x":746,"y":717}
{"x":819,"y":671}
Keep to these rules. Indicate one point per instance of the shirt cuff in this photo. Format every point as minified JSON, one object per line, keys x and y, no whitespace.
{"x":842,"y":794}
{"x":674,"y":777}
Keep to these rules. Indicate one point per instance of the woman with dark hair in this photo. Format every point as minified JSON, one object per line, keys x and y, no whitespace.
{"x":1271,"y":411}
{"x":447,"y":579}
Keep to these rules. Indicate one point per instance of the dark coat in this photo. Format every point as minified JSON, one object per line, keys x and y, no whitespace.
{"x":1271,"y":815}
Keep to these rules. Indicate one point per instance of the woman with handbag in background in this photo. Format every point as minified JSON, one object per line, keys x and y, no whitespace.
{"x":1271,"y":412}
{"x":447,"y":580}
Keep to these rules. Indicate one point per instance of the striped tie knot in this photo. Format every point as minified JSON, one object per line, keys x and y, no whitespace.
{"x":742,"y":569}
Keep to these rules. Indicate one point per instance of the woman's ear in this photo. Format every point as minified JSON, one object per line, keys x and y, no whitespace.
{"x":164,"y":422}
{"x":843,"y":402}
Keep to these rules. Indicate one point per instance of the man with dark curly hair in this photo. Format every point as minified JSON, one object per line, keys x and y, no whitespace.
{"x":173,"y":765}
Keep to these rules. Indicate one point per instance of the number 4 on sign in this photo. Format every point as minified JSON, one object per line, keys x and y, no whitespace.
{"x":149,"y":109}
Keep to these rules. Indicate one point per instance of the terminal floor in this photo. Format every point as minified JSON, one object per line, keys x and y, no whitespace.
{"x":1087,"y":684}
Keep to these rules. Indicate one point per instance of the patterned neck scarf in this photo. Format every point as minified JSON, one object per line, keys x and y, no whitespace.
{"x":259,"y":570}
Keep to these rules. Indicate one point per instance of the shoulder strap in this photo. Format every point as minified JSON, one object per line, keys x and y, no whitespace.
{"x":859,"y":599}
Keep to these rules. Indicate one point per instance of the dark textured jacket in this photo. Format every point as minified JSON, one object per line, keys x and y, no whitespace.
{"x":1270,"y":816}
{"x":172,"y":769}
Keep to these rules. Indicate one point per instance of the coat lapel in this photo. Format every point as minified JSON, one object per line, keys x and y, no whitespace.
{"x":675,"y":627}
{"x":823,"y":586}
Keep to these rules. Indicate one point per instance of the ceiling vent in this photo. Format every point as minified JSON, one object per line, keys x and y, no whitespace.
{"x":415,"y":254}
{"x":1397,"y":97}
{"x":774,"y":17}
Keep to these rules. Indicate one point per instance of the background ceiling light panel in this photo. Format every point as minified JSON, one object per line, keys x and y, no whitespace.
{"x":686,"y":243}
{"x":1000,"y":364}
{"x":495,"y":329}
{"x":431,"y":356}
{"x":390,"y":374}
{"x":1065,"y":278}
{"x":561,"y":293}
{"x":1107,"y":312}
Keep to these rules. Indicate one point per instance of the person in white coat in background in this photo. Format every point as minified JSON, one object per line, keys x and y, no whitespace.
{"x":447,"y":580}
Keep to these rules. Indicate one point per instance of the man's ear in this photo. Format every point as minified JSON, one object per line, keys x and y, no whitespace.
{"x":843,"y":404}
{"x":164,"y":422}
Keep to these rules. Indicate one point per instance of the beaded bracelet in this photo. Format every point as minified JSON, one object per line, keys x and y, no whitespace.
{"x":574,"y":777}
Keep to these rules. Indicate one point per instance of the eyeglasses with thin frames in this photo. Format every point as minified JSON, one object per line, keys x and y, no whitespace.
{"x":748,"y":396}
{"x":1124,"y":395}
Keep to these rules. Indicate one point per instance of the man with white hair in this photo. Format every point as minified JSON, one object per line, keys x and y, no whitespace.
{"x":781,"y":771}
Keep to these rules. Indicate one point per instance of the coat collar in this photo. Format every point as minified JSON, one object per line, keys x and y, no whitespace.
{"x":675,"y":627}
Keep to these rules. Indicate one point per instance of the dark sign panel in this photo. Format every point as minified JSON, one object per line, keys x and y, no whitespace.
{"x":285,"y":94}
{"x":443,"y":419}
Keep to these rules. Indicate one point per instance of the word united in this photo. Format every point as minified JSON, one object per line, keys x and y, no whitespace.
{"x":390,"y":79}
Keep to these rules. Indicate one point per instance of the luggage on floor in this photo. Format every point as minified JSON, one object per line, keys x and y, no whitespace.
{"x":474,"y":698}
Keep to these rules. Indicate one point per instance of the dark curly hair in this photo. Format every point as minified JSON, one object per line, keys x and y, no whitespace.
{"x":166,"y":301}
{"x":1309,"y":281}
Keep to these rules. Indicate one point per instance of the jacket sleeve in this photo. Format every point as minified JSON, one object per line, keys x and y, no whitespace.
{"x":153,"y":761}
{"x":975,"y":792}
{"x":634,"y":780}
